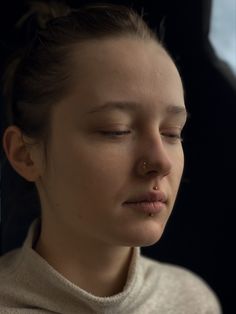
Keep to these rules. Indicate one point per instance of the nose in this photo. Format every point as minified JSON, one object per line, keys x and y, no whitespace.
{"x":157,"y":156}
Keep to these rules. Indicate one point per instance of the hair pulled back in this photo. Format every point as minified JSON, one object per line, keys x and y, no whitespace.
{"x":39,"y":75}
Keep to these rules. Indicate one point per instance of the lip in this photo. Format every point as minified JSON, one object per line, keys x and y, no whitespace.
{"x":157,"y":196}
{"x":147,"y":207}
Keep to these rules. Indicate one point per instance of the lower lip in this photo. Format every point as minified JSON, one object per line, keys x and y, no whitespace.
{"x":147,"y":207}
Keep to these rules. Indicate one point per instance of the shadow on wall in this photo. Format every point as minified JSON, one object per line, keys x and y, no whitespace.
{"x":19,"y":197}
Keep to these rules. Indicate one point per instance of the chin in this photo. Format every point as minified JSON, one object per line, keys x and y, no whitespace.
{"x":148,"y":241}
{"x":146,"y":237}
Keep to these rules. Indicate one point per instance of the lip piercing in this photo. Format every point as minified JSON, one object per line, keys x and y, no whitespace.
{"x":154,"y":188}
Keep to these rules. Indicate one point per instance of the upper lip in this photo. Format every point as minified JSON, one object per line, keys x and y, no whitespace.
{"x":157,"y":196}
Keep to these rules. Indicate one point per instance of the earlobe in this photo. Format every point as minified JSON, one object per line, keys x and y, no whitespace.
{"x":18,"y":154}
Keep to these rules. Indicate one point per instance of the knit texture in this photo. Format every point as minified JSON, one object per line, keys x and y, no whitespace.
{"x":28,"y":284}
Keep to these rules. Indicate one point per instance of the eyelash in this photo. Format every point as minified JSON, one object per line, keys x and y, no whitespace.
{"x":120,"y":133}
{"x":115,"y":133}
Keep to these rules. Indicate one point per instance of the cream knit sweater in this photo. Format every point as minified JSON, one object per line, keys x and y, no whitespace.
{"x":28,"y":284}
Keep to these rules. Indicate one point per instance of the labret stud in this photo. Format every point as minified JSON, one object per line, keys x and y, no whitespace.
{"x":144,"y":164}
{"x":151,"y":214}
{"x":154,"y":188}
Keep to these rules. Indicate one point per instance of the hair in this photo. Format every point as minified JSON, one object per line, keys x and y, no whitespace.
{"x":39,"y":75}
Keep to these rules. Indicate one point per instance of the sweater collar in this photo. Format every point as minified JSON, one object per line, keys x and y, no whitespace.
{"x":56,"y":293}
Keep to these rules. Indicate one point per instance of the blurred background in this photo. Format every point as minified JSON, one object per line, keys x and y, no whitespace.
{"x":201,"y":36}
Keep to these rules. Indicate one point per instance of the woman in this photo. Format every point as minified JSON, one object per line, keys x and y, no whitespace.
{"x":96,"y":123}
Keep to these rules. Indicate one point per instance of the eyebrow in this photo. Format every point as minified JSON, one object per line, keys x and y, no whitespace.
{"x":132,"y":106}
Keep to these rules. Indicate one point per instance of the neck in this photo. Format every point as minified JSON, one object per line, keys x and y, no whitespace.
{"x":100,"y":270}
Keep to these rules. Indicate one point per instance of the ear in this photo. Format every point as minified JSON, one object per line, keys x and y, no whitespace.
{"x":19,"y":154}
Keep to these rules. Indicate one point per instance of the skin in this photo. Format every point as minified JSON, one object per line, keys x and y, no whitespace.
{"x":87,"y":234}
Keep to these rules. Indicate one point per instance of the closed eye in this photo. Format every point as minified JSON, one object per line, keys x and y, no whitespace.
{"x":115,"y":133}
{"x":172,"y":136}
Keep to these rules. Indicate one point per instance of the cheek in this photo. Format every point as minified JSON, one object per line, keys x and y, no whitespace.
{"x":106,"y":169}
{"x":177,"y":168}
{"x":94,"y":167}
{"x":180,"y":164}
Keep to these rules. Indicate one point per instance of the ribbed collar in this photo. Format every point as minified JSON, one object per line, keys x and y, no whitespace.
{"x":56,"y":293}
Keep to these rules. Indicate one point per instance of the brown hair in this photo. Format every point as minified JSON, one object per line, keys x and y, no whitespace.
{"x":38,"y":76}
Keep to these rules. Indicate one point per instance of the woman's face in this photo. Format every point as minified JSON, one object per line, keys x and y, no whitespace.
{"x":93,"y":172}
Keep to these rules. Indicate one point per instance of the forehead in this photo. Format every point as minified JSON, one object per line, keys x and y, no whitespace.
{"x":125,"y":69}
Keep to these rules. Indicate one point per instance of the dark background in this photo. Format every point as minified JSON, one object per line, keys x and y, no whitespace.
{"x":200,"y":232}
